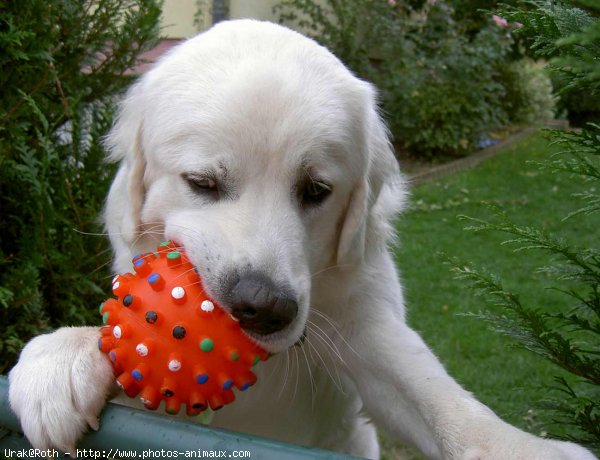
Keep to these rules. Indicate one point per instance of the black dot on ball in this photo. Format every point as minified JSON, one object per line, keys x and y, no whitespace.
{"x":179,"y":332}
{"x":167,"y":393}
{"x":198,"y":406}
{"x":127,"y":300}
{"x":151,"y":317}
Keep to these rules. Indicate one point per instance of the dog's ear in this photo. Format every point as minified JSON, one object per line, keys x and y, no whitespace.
{"x":378,"y":197}
{"x":122,"y":213}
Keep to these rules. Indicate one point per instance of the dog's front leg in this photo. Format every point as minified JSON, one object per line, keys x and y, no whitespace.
{"x":407,"y":392}
{"x":59,"y":386}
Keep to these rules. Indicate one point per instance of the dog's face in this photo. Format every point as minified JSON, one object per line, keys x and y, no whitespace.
{"x":258,"y":165}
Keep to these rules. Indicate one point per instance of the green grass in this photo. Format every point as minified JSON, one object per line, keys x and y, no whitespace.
{"x":509,"y":380}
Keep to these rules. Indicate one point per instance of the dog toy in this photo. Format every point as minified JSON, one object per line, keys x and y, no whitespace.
{"x":168,"y":341}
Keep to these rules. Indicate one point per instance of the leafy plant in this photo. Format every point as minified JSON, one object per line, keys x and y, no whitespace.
{"x":441,"y":79}
{"x":529,"y":97}
{"x":61,"y":64}
{"x":568,"y":35}
{"x":441,"y":89}
{"x":570,"y":338}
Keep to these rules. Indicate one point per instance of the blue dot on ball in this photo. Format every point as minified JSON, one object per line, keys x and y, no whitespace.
{"x":245,"y":386}
{"x":153,"y":278}
{"x":138,"y":262}
{"x":228,"y":384}
{"x":202,"y":378}
{"x":113,"y":356}
{"x":137,"y":375}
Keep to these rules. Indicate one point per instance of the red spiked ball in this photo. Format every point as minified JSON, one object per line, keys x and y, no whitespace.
{"x":167,"y":340}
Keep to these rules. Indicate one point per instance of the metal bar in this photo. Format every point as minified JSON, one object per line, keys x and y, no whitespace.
{"x":147,"y":434}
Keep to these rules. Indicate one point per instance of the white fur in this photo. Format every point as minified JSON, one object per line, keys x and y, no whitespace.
{"x":262,"y":102}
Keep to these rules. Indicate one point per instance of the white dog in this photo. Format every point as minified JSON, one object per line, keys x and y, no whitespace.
{"x":256,"y":149}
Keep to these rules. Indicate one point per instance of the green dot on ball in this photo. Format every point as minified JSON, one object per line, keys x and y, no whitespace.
{"x":235,"y":356}
{"x":101,"y":307}
{"x":165,"y":243}
{"x":256,"y":360}
{"x":206,"y":345}
{"x":173,"y":255}
{"x":105,"y":318}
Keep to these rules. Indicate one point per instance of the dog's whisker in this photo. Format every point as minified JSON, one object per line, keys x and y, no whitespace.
{"x":313,"y":385}
{"x":331,"y":267}
{"x":287,"y":371}
{"x":331,"y":359}
{"x":336,"y":328}
{"x":338,"y":385}
{"x":327,"y":340}
{"x":297,"y":360}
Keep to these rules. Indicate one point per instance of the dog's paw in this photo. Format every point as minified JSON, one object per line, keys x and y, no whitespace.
{"x":59,"y":387}
{"x":509,"y":443}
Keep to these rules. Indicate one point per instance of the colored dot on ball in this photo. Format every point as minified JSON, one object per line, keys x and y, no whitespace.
{"x":165,"y":243}
{"x":137,"y":375}
{"x":112,"y":356}
{"x":207,"y":306}
{"x":234,"y":356}
{"x":167,"y":393}
{"x":198,"y":406}
{"x":256,"y":360}
{"x":179,"y":332}
{"x":178,"y":292}
{"x":105,"y":318}
{"x":139,"y":263}
{"x":141,"y":349}
{"x":174,"y":365}
{"x":227,"y":384}
{"x":153,"y":278}
{"x":128,"y":300}
{"x":100,"y":344}
{"x":151,"y":317}
{"x":206,"y":345}
{"x":173,"y":255}
{"x":202,"y":378}
{"x":116,"y":285}
{"x":101,"y":307}
{"x":117,"y":332}
{"x":245,"y":386}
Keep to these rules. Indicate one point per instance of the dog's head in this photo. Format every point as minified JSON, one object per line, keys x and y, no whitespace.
{"x":259,"y":152}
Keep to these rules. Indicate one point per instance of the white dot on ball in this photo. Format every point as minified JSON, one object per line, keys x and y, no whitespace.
{"x":117,"y":332}
{"x":115,"y":279}
{"x":178,"y":292}
{"x":145,"y":401}
{"x":116,"y":285}
{"x":207,"y":305}
{"x":141,"y":349}
{"x":174,"y":365}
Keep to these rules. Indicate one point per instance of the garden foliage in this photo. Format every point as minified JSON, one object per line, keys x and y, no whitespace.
{"x":61,"y":64}
{"x":443,"y":76}
{"x":567,"y":35}
{"x":570,"y":338}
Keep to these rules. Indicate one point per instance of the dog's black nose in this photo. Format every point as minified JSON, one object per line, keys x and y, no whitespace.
{"x":260,"y":306}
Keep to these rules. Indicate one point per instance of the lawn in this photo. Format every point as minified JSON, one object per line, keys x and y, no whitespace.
{"x":508,"y":380}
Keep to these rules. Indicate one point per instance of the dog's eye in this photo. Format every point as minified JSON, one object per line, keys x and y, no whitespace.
{"x":314,"y":192}
{"x":204,"y":185}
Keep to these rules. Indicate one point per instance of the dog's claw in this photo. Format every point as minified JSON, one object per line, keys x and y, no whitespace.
{"x":94,"y":423}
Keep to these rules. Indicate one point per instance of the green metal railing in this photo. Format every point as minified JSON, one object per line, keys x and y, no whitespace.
{"x":125,"y":431}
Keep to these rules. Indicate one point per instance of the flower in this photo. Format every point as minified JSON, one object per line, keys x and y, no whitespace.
{"x":500,"y":21}
{"x":392,"y":3}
